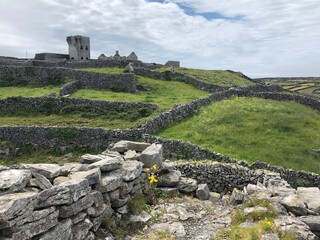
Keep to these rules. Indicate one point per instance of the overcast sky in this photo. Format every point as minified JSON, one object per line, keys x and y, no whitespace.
{"x":257,"y":37}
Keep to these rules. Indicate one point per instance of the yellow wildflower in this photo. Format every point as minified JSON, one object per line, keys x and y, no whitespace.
{"x":152,"y":179}
{"x":154,"y":166}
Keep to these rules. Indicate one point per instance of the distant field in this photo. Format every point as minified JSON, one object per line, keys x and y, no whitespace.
{"x":6,"y":92}
{"x":113,"y":70}
{"x":217,"y":77}
{"x":162,"y":93}
{"x":280,"y":133}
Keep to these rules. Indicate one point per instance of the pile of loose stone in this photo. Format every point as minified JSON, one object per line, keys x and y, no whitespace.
{"x":70,"y":201}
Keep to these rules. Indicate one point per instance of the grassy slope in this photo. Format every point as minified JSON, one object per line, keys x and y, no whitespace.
{"x":280,"y":133}
{"x":113,"y":70}
{"x":6,"y":92}
{"x":217,"y":77}
{"x":162,"y":93}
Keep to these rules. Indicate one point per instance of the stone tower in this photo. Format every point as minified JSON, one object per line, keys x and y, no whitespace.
{"x":79,"y":47}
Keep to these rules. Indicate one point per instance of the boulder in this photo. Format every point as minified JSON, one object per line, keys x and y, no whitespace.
{"x":123,"y":146}
{"x":108,"y":164}
{"x":50,"y":171}
{"x":311,"y":197}
{"x":70,"y":210}
{"x":152,"y":155}
{"x":313,"y":223}
{"x":59,"y":180}
{"x":13,"y":180}
{"x":93,"y":176}
{"x":109,"y":182}
{"x":169,"y":178}
{"x":187,"y":185}
{"x":57,"y":195}
{"x":295,"y":205}
{"x":237,"y":197}
{"x":42,"y":182}
{"x":15,"y":208}
{"x":131,"y":155}
{"x":203,"y":192}
{"x":120,"y":146}
{"x":89,"y":158}
{"x":131,"y":170}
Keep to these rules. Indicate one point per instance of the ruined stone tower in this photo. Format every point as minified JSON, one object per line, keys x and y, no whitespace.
{"x":79,"y":47}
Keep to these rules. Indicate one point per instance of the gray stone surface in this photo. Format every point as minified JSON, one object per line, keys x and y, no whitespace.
{"x":61,"y":179}
{"x":78,"y":188}
{"x":120,"y":146}
{"x":55,"y":196}
{"x":131,"y":155}
{"x":93,"y":176}
{"x":142,"y":217}
{"x":13,"y":180}
{"x":174,"y":228}
{"x":73,"y":167}
{"x":97,"y":220}
{"x":90,"y":158}
{"x":313,"y":223}
{"x":137,"y":146}
{"x":294,"y":204}
{"x":108,"y":164}
{"x":187,"y":185}
{"x":70,"y":210}
{"x":117,"y":203}
{"x":125,"y":188}
{"x":50,"y":171}
{"x":311,"y":197}
{"x":79,"y":217}
{"x":203,"y":192}
{"x":169,"y":178}
{"x":42,"y":182}
{"x":98,"y":198}
{"x":81,"y":229}
{"x":109,"y":182}
{"x":237,"y":196}
{"x":152,"y":155}
{"x":97,"y":211}
{"x":131,"y":170}
{"x":62,"y":231}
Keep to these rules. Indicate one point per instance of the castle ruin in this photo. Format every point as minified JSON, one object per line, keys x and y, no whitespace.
{"x":79,"y":47}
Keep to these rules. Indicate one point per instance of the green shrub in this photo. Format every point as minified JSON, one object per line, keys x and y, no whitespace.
{"x":65,"y":133}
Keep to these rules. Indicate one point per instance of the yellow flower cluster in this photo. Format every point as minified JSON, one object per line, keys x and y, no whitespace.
{"x":152,"y":179}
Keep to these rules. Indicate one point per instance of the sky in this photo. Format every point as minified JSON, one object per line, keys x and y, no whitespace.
{"x":261,"y":38}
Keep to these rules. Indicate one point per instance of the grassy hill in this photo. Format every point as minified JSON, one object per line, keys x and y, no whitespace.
{"x":280,"y":133}
{"x":216,"y":77}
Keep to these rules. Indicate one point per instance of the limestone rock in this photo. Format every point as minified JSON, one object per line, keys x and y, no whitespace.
{"x":42,"y":181}
{"x":184,"y":214}
{"x":109,"y":153}
{"x":13,"y":180}
{"x":93,"y":176}
{"x":123,"y":146}
{"x":57,"y":195}
{"x":313,"y":223}
{"x":109,"y":182}
{"x":152,"y":155}
{"x":68,"y":168}
{"x":187,"y":185}
{"x":131,"y":170}
{"x":120,"y":146}
{"x":108,"y":164}
{"x":131,"y":155}
{"x":62,"y":231}
{"x":90,"y":236}
{"x":70,"y":210}
{"x":237,"y":197}
{"x":15,"y":208}
{"x":79,"y":217}
{"x":175,"y":228}
{"x":97,"y":197}
{"x":295,"y":205}
{"x":142,"y":217}
{"x":96,"y":211}
{"x":81,"y":229}
{"x":311,"y":197}
{"x":61,"y":179}
{"x":203,"y":192}
{"x":125,"y":189}
{"x":294,"y":225}
{"x":89,"y":158}
{"x":98,"y":220}
{"x":169,"y":178}
{"x":50,"y":171}
{"x":78,"y":188}
{"x":257,"y":191}
{"x":117,"y":203}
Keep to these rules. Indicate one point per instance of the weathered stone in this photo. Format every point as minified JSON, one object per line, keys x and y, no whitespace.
{"x":313,"y":223}
{"x":136,"y":189}
{"x":70,"y":210}
{"x":131,"y":170}
{"x":78,"y":188}
{"x":175,"y":228}
{"x":97,"y":197}
{"x":62,"y":231}
{"x":152,"y":155}
{"x":114,"y":194}
{"x":125,"y":188}
{"x":50,"y":171}
{"x":28,"y":230}
{"x":137,"y":146}
{"x":169,"y":178}
{"x":184,"y":214}
{"x":109,"y":182}
{"x":123,"y":210}
{"x":187,"y":185}
{"x":110,"y":153}
{"x":131,"y":155}
{"x":236,"y":197}
{"x":32,"y":183}
{"x":295,"y":205}
{"x":203,"y":192}
{"x":89,"y":158}
{"x":120,"y":146}
{"x":79,"y":217}
{"x":282,"y":192}
{"x":117,"y":203}
{"x":57,"y":195}
{"x":61,"y":179}
{"x":311,"y":197}
{"x":97,"y":211}
{"x":257,"y":191}
{"x":142,"y":217}
{"x":81,"y":229}
{"x":15,"y":208}
{"x":108,"y":164}
{"x":93,"y":176}
{"x":13,"y":180}
{"x":68,"y":168}
{"x":294,"y":225}
{"x":90,"y":236}
{"x":98,"y":220}
{"x":215,"y":196}
{"x":42,"y":182}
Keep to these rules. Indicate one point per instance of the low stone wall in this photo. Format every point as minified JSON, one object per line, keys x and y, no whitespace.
{"x":54,"y":76}
{"x":70,"y":201}
{"x":58,"y":103}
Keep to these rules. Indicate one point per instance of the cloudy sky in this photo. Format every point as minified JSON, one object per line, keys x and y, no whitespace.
{"x":258,"y":37}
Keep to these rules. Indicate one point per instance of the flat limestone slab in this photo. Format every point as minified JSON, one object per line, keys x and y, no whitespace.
{"x":50,"y":171}
{"x":13,"y":180}
{"x":311,"y":197}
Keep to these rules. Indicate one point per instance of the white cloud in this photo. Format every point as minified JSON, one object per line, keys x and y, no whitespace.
{"x":272,"y":37}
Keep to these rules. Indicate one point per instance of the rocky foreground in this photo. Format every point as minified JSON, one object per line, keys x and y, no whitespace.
{"x":74,"y":200}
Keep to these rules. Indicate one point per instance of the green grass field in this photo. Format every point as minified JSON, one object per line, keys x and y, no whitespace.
{"x":27,"y":91}
{"x":217,"y":77}
{"x":279,"y":133}
{"x":111,"y":70}
{"x":165,"y":94}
